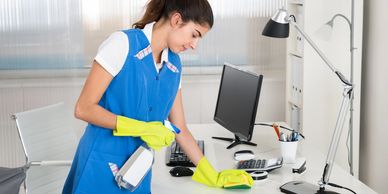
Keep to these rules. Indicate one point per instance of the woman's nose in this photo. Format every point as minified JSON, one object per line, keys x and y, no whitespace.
{"x":193,"y":44}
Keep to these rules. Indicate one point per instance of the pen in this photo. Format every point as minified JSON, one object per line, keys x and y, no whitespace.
{"x":294,"y":136}
{"x":276,"y":128}
{"x":283,"y":137}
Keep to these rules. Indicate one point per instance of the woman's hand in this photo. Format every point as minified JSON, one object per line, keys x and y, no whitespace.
{"x":154,"y":133}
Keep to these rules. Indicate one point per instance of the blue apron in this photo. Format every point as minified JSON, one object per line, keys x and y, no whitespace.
{"x":138,"y":91}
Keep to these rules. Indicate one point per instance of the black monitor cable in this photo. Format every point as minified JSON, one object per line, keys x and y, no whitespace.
{"x":283,"y":127}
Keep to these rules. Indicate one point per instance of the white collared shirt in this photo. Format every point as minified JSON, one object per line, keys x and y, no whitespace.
{"x":113,"y":51}
{"x":147,"y":30}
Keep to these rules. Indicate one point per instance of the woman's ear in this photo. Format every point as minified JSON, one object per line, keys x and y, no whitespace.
{"x":176,"y":20}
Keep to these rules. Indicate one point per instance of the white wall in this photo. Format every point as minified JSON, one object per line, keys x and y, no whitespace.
{"x":200,"y":97}
{"x":374,"y":109}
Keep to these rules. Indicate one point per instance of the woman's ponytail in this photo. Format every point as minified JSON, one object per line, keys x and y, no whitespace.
{"x":198,"y":11}
{"x":154,"y":12}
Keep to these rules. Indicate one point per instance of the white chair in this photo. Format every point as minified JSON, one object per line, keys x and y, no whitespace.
{"x":49,"y":139}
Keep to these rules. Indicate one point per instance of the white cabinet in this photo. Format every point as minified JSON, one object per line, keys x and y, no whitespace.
{"x":294,"y":69}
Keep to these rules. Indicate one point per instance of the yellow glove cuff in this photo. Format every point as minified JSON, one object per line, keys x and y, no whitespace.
{"x":128,"y":127}
{"x":155,"y":134}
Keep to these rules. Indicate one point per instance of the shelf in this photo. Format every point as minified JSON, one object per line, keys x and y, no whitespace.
{"x":296,"y":2}
{"x":291,"y":102}
{"x":295,"y":53}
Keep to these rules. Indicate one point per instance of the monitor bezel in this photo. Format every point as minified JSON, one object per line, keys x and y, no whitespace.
{"x":253,"y":118}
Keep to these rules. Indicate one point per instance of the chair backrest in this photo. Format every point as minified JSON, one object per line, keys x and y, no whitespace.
{"x":47,"y":134}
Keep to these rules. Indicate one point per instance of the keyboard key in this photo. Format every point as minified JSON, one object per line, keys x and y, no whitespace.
{"x":176,"y":156}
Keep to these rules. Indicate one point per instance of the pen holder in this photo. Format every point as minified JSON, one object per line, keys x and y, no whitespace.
{"x":288,"y":150}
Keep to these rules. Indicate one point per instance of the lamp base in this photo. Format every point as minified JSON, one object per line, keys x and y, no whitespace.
{"x":301,"y":187}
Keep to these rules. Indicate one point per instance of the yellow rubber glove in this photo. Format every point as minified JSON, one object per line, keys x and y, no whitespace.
{"x":228,"y":179}
{"x":155,"y":134}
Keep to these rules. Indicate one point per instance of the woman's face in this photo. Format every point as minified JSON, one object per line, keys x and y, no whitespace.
{"x":185,"y":36}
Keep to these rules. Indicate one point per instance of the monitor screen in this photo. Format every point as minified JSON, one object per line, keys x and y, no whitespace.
{"x":237,"y":101}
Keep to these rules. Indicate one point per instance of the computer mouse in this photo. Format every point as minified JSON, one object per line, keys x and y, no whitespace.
{"x":179,"y":171}
{"x":244,"y":155}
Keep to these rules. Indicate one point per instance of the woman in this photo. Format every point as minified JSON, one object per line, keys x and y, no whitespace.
{"x":133,"y":86}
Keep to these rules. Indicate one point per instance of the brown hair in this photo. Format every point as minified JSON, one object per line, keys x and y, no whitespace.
{"x":198,"y":11}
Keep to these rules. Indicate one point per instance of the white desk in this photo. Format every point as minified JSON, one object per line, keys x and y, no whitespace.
{"x":268,"y":147}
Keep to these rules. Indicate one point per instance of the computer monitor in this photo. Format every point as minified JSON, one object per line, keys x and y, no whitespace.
{"x":237,"y":102}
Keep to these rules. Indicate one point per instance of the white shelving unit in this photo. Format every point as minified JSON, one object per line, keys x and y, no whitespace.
{"x":294,"y":85}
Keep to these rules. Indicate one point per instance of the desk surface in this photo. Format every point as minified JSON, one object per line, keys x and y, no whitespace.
{"x":267,"y":147}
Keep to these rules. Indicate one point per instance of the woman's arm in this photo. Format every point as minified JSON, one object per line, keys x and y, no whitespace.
{"x":184,"y":138}
{"x":87,"y":107}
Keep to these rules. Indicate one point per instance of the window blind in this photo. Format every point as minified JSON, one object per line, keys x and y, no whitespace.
{"x":65,"y":34}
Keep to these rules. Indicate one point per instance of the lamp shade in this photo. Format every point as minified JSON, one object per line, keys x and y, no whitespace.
{"x":278,"y":26}
{"x":324,"y":32}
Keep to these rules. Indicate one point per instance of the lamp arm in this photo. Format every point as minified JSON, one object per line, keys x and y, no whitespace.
{"x":352,"y":48}
{"x":351,"y":25}
{"x":351,"y":28}
{"x":320,"y":53}
{"x":347,"y":95}
{"x":341,"y":15}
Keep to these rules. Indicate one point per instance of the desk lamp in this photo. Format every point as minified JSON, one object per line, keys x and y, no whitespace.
{"x":329,"y":27}
{"x":278,"y":27}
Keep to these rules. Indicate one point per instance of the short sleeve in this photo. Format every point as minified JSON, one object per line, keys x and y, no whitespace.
{"x":112,"y":52}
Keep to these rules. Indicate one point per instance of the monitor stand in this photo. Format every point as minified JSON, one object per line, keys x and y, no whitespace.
{"x":235,"y":141}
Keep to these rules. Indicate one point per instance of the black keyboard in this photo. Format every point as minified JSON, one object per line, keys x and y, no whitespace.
{"x":260,"y":164}
{"x":176,"y":157}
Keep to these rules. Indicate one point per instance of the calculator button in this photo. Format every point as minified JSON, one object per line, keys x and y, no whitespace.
{"x":263,"y":164}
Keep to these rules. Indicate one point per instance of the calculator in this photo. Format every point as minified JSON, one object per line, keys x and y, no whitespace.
{"x":260,"y":164}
